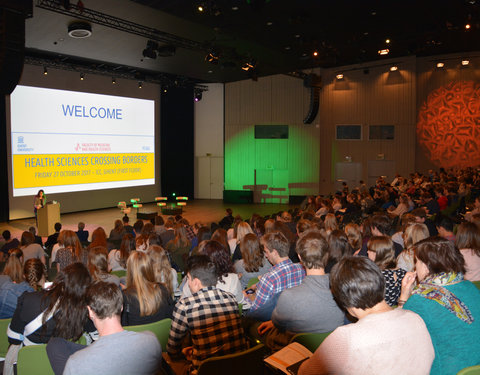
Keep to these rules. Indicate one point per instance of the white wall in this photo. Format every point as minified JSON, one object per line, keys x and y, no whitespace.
{"x":209,"y":120}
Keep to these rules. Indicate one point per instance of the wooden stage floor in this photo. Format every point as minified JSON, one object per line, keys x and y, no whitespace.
{"x":203,"y":211}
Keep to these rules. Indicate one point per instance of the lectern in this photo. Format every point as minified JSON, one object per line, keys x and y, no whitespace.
{"x":47,"y":217}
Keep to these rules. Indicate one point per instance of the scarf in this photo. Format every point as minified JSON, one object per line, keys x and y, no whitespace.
{"x":433,"y":288}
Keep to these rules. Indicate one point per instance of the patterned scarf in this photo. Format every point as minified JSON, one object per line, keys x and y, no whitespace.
{"x":433,"y":288}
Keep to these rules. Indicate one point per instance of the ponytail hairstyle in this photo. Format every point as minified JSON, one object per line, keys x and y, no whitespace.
{"x":13,"y":267}
{"x":33,"y":272}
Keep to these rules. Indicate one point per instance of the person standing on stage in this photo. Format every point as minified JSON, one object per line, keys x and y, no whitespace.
{"x":39,"y":201}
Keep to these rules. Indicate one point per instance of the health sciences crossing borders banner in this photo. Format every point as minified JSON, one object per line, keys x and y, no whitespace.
{"x":65,"y":141}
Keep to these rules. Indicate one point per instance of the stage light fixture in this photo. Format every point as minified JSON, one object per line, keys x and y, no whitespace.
{"x":465,"y":62}
{"x":387,"y":41}
{"x":82,"y":76}
{"x":140,"y":85}
{"x":200,"y":8}
{"x":45,"y":71}
{"x":468,"y":26}
{"x":339,"y":76}
{"x":212,"y":57}
{"x":315,"y":53}
{"x":249,"y":65}
{"x":197,"y":96}
{"x":151,"y":51}
{"x":393,"y":68}
{"x":440,"y":65}
{"x":114,"y":81}
{"x":383,"y":52}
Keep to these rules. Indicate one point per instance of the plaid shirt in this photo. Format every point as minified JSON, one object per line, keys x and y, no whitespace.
{"x":282,"y":276}
{"x":211,"y":316}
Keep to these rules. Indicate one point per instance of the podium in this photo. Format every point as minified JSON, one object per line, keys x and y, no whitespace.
{"x":47,"y":216}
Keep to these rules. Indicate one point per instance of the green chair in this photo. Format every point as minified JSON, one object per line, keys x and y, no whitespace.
{"x":120,"y":274}
{"x":472,"y":370}
{"x":179,"y":278}
{"x":247,"y":362}
{"x":33,"y":360}
{"x":3,"y":337}
{"x":252,"y":281}
{"x":477,"y":284}
{"x":161,"y":329}
{"x":310,"y":340}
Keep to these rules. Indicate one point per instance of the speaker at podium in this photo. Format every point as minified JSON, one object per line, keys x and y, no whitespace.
{"x":47,"y":216}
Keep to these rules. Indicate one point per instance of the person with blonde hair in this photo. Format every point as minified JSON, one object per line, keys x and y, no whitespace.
{"x":381,"y":251}
{"x":144,"y":300}
{"x":179,"y":246}
{"x":467,"y":241}
{"x":71,"y":252}
{"x":253,"y":263}
{"x":354,"y":236}
{"x":98,"y":266}
{"x":164,"y":273}
{"x":413,"y":234}
{"x":15,"y":280}
{"x":243,"y":229}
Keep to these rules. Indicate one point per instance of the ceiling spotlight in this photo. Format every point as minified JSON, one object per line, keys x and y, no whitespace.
{"x":387,"y":41}
{"x":140,"y":85}
{"x":249,"y":65}
{"x":212,"y":57}
{"x":467,"y":26}
{"x":200,"y":8}
{"x":234,"y":8}
{"x":315,"y":53}
{"x":79,"y":30}
{"x":465,"y":62}
{"x":269,"y":23}
{"x":82,"y":76}
{"x":339,"y":76}
{"x":165,"y":89}
{"x":151,"y":51}
{"x":440,"y":65}
{"x":393,"y":68}
{"x":197,"y":96}
{"x":114,"y":81}
{"x":383,"y":51}
{"x":45,"y":71}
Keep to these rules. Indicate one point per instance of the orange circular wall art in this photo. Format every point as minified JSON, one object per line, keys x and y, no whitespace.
{"x":448,"y":126}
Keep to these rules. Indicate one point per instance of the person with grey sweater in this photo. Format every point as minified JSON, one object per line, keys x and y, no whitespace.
{"x":308,"y":307}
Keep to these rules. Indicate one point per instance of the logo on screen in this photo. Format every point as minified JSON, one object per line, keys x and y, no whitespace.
{"x":20,"y":139}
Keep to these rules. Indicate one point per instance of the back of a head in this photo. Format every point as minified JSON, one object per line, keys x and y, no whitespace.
{"x":97,"y":261}
{"x":13,"y":267}
{"x":220,"y":256}
{"x":220,"y":235}
{"x":32,"y":230}
{"x":27,"y":238}
{"x":330,"y":222}
{"x":81,"y":225}
{"x":138,"y":226}
{"x":444,"y":222}
{"x":159,"y":220}
{"x":338,"y":245}
{"x":304,"y":225}
{"x":6,"y":235}
{"x":243,"y":228}
{"x":357,"y":282}
{"x":148,"y":228}
{"x":125,"y":219}
{"x":468,"y":237}
{"x":105,"y":299}
{"x":313,"y":250}
{"x":58,"y":227}
{"x":382,"y":247}
{"x":99,"y":237}
{"x":419,"y":212}
{"x":252,"y":253}
{"x":139,"y":270}
{"x":168,"y":224}
{"x":277,"y":241}
{"x":382,"y":223}
{"x":202,"y":268}
{"x":354,"y":235}
{"x":70,"y":240}
{"x":414,"y":233}
{"x":33,"y":271}
{"x":439,"y":255}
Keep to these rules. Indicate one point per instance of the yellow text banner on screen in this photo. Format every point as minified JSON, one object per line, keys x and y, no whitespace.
{"x":70,"y":169}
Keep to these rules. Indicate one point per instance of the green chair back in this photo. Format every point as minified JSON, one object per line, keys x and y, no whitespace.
{"x":121,"y":273}
{"x":477,"y":284}
{"x":252,"y":281}
{"x":179,"y":277}
{"x":310,"y":340}
{"x":3,"y":337}
{"x":247,"y":362}
{"x":33,"y":360}
{"x":472,"y":370}
{"x":161,"y":329}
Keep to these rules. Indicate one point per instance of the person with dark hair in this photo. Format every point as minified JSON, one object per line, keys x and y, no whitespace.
{"x":210,"y":316}
{"x":52,"y":239}
{"x":283,"y":275}
{"x":421,"y":217}
{"x":116,"y":351}
{"x":169,"y":233}
{"x":38,"y":239}
{"x":380,"y":225}
{"x":449,"y":304}
{"x":10,"y":243}
{"x":117,"y":259}
{"x":72,"y":251}
{"x":467,"y":241}
{"x":159,"y":225}
{"x":31,"y":249}
{"x":39,"y":201}
{"x":445,"y":227}
{"x":338,"y":247}
{"x":383,"y":341}
{"x":227,"y":221}
{"x":138,"y":228}
{"x":58,"y":311}
{"x":291,"y":315}
{"x":126,"y":225}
